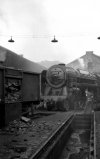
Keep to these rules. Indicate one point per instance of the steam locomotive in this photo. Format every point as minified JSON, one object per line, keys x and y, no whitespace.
{"x":64,"y":88}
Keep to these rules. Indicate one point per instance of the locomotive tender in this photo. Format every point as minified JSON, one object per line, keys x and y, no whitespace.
{"x":64,"y":88}
{"x":19,"y":91}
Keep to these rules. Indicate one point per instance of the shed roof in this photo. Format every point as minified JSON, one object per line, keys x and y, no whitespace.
{"x":9,"y":58}
{"x":88,"y":62}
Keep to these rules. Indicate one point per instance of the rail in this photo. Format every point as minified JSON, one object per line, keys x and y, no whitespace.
{"x":45,"y":149}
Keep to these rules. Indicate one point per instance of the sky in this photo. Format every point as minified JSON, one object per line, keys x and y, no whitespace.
{"x":33,"y":24}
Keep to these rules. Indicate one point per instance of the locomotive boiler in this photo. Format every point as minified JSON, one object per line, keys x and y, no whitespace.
{"x":64,"y":88}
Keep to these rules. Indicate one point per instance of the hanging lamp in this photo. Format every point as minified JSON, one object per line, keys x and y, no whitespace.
{"x":11,"y":40}
{"x":54,"y":40}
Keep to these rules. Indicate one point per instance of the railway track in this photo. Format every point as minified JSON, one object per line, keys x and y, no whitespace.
{"x":50,"y":148}
{"x":23,"y":140}
{"x":77,"y":125}
{"x":48,"y":136}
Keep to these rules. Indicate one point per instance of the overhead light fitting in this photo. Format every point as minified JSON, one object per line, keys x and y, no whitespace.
{"x":54,"y":40}
{"x":11,"y":40}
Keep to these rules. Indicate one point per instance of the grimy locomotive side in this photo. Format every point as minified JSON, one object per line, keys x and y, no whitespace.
{"x":64,"y":88}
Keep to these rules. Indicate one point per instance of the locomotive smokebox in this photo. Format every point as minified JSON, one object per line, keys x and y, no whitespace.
{"x":59,"y":75}
{"x":56,"y":76}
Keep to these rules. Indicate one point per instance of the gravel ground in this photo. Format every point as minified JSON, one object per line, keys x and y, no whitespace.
{"x":22,"y":138}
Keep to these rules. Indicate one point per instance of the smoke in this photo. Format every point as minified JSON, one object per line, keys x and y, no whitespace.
{"x":24,"y":17}
{"x":81,"y":61}
{"x":3,"y":20}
